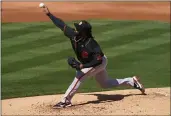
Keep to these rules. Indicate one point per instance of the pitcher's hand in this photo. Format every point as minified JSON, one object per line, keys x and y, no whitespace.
{"x":45,"y":10}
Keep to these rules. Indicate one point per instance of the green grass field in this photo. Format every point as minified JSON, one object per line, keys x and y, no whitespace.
{"x":34,"y":56}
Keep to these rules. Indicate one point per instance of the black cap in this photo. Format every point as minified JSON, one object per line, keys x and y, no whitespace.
{"x":82,"y":26}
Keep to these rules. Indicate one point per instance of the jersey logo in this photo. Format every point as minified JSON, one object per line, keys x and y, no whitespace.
{"x":84,"y":54}
{"x":99,"y":57}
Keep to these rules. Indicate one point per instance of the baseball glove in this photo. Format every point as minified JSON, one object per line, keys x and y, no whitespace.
{"x":74,"y":63}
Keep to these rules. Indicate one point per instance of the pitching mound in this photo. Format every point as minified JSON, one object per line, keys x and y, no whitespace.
{"x":121,"y":102}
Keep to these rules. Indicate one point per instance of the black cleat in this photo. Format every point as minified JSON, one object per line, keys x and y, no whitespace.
{"x":138,"y":85}
{"x":62,"y":105}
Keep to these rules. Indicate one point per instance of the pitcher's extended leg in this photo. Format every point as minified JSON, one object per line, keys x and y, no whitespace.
{"x":106,"y":82}
{"x":72,"y":89}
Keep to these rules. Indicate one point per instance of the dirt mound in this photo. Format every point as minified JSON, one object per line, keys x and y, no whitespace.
{"x":121,"y":102}
{"x":29,"y":11}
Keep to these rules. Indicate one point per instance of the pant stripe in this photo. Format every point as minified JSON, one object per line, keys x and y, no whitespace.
{"x":79,"y":78}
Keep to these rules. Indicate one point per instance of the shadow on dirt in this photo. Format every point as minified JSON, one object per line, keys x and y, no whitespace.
{"x":101,"y":98}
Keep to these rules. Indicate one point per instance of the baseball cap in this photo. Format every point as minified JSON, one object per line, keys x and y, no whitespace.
{"x":82,"y":26}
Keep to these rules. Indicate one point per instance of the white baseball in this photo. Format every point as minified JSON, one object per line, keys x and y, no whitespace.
{"x":41,"y":5}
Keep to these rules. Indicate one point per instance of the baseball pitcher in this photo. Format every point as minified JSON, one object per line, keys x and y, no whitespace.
{"x":91,"y":61}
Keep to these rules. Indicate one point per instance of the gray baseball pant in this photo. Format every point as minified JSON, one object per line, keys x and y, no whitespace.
{"x":101,"y":77}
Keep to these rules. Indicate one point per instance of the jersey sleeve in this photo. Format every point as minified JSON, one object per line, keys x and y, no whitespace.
{"x":68,"y":31}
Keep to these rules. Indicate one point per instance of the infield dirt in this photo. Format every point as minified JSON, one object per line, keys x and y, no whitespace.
{"x":120,"y":102}
{"x":29,"y":11}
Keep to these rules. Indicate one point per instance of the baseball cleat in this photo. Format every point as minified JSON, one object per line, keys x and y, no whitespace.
{"x":138,"y":85}
{"x":62,"y":105}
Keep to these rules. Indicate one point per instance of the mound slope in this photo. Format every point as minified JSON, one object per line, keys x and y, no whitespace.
{"x":120,"y":102}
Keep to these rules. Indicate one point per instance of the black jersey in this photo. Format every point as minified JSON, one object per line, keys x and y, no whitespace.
{"x":87,"y":50}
